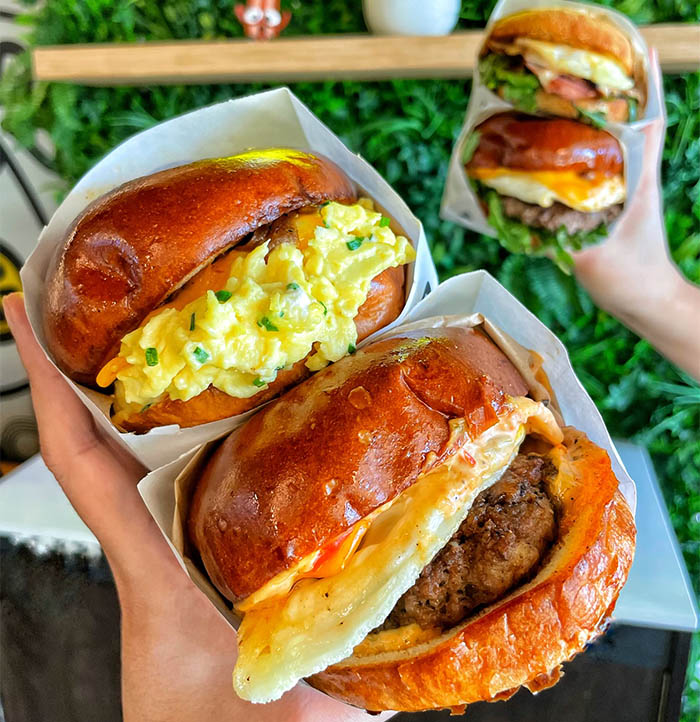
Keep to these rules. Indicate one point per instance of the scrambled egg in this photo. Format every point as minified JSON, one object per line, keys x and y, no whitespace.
{"x":605,"y":72}
{"x":587,"y":194}
{"x":320,"y":621}
{"x":270,"y":312}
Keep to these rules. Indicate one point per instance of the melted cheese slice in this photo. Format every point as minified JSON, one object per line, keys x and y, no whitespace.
{"x":309,"y":566}
{"x":321,"y":620}
{"x":565,"y":60}
{"x":543,"y":188}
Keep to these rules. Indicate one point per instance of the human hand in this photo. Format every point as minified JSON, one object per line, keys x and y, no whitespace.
{"x":631,"y":274}
{"x":178,"y":653}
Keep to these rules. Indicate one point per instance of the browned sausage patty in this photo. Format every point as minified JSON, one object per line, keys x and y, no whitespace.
{"x":510,"y":527}
{"x":558,"y":215}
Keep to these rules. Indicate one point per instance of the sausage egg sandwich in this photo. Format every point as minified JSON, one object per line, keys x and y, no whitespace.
{"x":408,"y":529}
{"x":547,"y":184}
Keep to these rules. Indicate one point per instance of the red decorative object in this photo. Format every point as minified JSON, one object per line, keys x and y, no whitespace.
{"x":262,"y":19}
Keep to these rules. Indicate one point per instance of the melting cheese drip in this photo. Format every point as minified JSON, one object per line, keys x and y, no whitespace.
{"x":582,"y":193}
{"x":267,"y":312}
{"x":321,"y":620}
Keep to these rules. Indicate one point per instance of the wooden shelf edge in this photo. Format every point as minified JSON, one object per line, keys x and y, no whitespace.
{"x":365,"y":57}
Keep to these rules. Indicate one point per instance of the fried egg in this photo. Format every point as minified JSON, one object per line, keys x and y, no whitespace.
{"x":582,"y":193}
{"x":565,"y":60}
{"x":320,"y":621}
{"x":269,"y":310}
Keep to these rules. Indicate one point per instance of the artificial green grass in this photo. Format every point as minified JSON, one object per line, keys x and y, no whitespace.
{"x":406,"y":130}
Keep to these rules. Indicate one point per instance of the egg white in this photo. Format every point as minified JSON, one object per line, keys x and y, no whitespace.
{"x":321,"y":620}
{"x":565,"y":60}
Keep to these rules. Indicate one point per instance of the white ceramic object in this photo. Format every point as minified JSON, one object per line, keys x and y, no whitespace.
{"x":411,"y":17}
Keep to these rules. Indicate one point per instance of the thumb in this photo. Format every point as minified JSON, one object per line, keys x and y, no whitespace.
{"x":51,"y":394}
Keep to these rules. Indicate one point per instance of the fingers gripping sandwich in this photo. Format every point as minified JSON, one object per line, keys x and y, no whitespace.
{"x":201,"y":291}
{"x":408,"y":530}
{"x":567,"y":62}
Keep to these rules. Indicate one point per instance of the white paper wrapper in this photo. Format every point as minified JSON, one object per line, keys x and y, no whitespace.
{"x":459,"y":202}
{"x":273,"y":118}
{"x":467,"y":300}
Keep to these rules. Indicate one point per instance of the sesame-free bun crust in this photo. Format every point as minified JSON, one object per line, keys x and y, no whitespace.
{"x":338,"y":446}
{"x":584,"y":29}
{"x":133,"y":247}
{"x":523,"y":639}
{"x":385,"y":300}
{"x":525,"y":142}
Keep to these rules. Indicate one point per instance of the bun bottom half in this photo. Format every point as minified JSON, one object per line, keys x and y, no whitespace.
{"x":615,"y":110}
{"x":523,"y":639}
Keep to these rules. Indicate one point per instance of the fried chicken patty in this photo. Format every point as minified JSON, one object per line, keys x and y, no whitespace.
{"x":558,"y":215}
{"x":500,"y":544}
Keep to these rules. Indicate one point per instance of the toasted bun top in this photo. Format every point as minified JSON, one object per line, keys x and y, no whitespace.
{"x":523,"y":142}
{"x":333,"y":449}
{"x":131,"y":248}
{"x":563,"y":26}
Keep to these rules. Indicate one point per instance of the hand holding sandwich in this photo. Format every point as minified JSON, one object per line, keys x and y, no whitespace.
{"x":177,"y":652}
{"x":632,"y":276}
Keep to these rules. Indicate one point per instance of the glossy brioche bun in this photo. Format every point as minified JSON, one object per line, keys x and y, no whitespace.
{"x":338,"y":446}
{"x":133,"y":247}
{"x":563,"y":26}
{"x":384,"y":303}
{"x":525,"y":142}
{"x":523,"y":639}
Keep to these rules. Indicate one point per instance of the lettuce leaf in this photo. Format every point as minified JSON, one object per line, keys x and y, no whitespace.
{"x":470,"y":145}
{"x":518,"y":84}
{"x":516,"y":237}
{"x":597,"y":119}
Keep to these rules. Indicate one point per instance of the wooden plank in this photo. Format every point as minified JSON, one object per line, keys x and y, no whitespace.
{"x":304,"y":58}
{"x":678,"y":46}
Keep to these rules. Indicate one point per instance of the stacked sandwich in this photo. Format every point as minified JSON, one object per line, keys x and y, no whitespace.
{"x":554,"y":180}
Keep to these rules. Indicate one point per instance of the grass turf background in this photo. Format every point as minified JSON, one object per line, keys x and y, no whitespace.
{"x":406,"y":129}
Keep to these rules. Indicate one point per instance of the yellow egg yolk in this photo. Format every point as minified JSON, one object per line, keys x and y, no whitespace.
{"x":588,"y":193}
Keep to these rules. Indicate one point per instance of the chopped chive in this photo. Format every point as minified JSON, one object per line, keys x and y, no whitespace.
{"x":200,"y":354}
{"x":355,"y":243}
{"x":324,"y":204}
{"x":257,"y":381}
{"x":146,"y":407}
{"x":384,"y":222}
{"x":281,"y":314}
{"x":351,"y":348}
{"x":265,"y":323}
{"x":192,"y":322}
{"x":325,"y":309}
{"x":223,"y":296}
{"x":293,"y":286}
{"x":151,"y":356}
